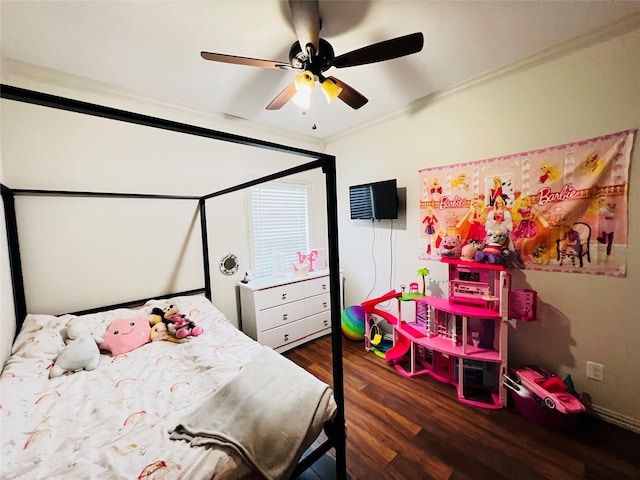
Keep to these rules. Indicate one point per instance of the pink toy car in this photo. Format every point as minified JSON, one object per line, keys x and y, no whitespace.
{"x":545,"y":388}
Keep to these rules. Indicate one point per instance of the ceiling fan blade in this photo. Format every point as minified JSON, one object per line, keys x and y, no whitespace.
{"x":378,"y":52}
{"x":349,"y":95}
{"x":251,"y":62}
{"x":306,"y":22}
{"x":283,"y":97}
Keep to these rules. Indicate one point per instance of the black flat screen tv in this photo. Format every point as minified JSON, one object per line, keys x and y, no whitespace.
{"x":378,"y":200}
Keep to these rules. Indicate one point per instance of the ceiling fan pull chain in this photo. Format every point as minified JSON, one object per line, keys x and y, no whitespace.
{"x":313,"y":116}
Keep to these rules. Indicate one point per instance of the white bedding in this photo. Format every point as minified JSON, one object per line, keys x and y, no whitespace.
{"x":113,"y":422}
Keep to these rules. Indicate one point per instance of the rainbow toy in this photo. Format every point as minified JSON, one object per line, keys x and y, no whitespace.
{"x":353,"y":323}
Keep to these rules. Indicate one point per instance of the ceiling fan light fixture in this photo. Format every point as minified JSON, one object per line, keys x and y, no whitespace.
{"x":330,"y":90}
{"x":302,"y":99}
{"x":304,"y":82}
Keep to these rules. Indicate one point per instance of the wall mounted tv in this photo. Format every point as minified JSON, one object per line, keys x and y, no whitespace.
{"x":378,"y":200}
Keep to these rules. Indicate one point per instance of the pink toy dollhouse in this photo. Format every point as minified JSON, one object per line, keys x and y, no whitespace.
{"x":461,"y":340}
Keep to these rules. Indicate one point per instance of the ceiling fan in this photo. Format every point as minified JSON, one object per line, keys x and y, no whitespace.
{"x":312,"y":56}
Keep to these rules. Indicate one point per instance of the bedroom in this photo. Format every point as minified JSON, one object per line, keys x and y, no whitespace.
{"x":496,"y":115}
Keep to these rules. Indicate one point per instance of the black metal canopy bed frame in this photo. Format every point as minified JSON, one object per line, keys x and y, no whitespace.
{"x":336,"y":431}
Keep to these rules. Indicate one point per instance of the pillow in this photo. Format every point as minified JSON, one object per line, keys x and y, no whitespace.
{"x":40,"y":336}
{"x":126,"y":334}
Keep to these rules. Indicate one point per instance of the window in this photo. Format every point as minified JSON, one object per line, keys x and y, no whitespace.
{"x":279,"y":225}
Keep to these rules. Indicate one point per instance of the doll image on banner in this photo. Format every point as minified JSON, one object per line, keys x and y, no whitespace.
{"x":499,"y":217}
{"x":430,"y":221}
{"x":497,"y":190}
{"x":471,"y":225}
{"x":529,"y":223}
{"x":606,"y":222}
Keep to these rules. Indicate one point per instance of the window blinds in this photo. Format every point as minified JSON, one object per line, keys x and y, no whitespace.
{"x":279,"y":216}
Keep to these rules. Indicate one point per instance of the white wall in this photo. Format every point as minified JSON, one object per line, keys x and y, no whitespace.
{"x":87,"y":260}
{"x":584,"y":94}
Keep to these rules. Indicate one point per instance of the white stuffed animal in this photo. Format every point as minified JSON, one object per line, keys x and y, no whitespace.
{"x":81,"y":351}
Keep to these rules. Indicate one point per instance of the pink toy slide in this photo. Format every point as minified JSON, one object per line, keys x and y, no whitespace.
{"x":399,"y":350}
{"x":386,"y":315}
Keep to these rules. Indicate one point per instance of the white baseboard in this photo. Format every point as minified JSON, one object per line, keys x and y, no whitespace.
{"x":609,"y":416}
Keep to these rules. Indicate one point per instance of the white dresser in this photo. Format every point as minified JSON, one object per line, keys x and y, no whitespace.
{"x":285,"y":312}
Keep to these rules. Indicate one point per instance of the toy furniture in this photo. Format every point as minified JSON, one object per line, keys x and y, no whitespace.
{"x":461,"y":340}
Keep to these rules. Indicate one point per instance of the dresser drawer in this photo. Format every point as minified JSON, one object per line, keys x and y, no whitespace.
{"x":270,"y":297}
{"x":282,"y":314}
{"x":317,"y":304}
{"x":294,"y":331}
{"x":316,"y":286}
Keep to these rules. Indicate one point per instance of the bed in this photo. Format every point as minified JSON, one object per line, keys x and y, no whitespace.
{"x":117,"y":421}
{"x":113,"y":422}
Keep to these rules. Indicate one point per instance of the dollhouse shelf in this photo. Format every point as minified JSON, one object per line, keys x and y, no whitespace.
{"x":460,"y":340}
{"x":444,"y":305}
{"x":444,"y":345}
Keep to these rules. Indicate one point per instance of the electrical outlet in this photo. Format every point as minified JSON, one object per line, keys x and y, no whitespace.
{"x":595,"y":371}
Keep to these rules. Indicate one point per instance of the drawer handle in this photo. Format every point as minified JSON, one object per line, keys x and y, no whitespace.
{"x":286,"y":337}
{"x":326,"y":323}
{"x":284,"y":296}
{"x":324,"y":304}
{"x":324,"y":286}
{"x":284,"y":316}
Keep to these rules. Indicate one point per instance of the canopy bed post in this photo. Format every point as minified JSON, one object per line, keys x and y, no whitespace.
{"x":15,"y":264}
{"x":329,"y":169}
{"x":205,"y":249}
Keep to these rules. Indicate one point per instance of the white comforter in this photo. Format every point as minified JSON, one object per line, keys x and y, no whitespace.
{"x":113,"y":422}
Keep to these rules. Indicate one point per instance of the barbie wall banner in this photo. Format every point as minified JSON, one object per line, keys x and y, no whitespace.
{"x":560,"y":209}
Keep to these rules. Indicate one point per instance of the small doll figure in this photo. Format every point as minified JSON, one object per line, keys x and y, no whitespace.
{"x":430,"y":222}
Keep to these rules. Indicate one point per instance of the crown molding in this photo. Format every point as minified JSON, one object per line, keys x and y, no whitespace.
{"x":54,"y":82}
{"x":621,"y":27}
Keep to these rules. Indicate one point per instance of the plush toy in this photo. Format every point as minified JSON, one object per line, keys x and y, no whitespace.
{"x":468,"y":252}
{"x":495,"y":249}
{"x":126,"y":334}
{"x":451,"y":246}
{"x":178,"y":324}
{"x":159,"y":330}
{"x":81,"y":350}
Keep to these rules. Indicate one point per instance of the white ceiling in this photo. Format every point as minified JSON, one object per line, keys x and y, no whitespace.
{"x":153,"y":48}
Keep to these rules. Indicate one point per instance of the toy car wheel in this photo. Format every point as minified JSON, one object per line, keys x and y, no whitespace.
{"x":548,"y":401}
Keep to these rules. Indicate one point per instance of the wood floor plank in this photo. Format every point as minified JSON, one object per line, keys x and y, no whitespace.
{"x":415,"y":428}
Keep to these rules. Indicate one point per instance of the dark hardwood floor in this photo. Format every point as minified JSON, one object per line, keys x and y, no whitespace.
{"x":400,"y":428}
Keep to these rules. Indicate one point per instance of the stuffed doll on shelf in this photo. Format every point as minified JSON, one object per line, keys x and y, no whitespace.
{"x":451,"y":246}
{"x":495,"y":249}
